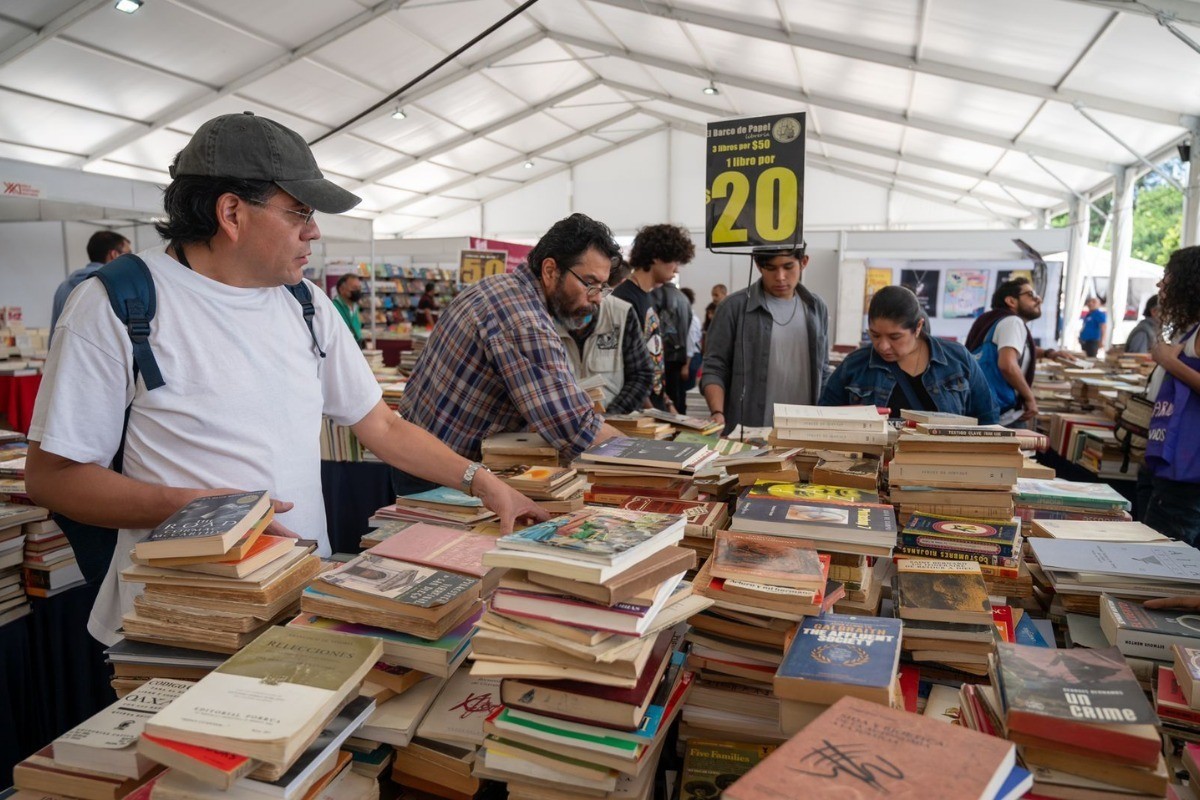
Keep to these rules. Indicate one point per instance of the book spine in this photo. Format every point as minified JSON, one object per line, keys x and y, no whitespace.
{"x":982,"y":547}
{"x":958,"y":555}
{"x":978,"y":433}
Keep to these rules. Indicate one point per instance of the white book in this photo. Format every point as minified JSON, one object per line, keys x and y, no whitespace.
{"x":865,"y":418}
{"x":395,"y":722}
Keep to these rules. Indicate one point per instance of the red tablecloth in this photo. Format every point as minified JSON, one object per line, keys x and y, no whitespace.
{"x":17,"y":394}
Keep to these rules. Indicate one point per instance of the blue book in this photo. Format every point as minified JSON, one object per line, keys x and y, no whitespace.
{"x":443,"y":495}
{"x":837,"y":655}
{"x":1027,"y":633}
{"x":1018,"y":782}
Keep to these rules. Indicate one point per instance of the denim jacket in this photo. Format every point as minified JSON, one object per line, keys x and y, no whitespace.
{"x":953,"y":381}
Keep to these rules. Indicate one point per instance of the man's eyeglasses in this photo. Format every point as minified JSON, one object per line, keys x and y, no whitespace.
{"x":593,"y":290}
{"x":1037,"y":298}
{"x":305,"y":216}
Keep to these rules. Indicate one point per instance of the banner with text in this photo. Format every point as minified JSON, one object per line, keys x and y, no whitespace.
{"x":755,"y":182}
{"x":474,"y":265}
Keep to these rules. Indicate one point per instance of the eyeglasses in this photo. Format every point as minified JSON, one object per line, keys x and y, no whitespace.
{"x":1036,"y":297}
{"x":597,"y":290}
{"x":305,"y":216}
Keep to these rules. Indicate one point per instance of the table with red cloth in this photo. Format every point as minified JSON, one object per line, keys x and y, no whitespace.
{"x":17,"y":395}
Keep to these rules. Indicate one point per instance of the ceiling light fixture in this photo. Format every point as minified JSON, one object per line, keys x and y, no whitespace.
{"x":128,"y":6}
{"x":399,"y":113}
{"x":711,"y":89}
{"x":529,"y":164}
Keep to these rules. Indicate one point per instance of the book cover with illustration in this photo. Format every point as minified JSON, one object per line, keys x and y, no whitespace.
{"x":442,"y":495}
{"x":1078,"y":684}
{"x":768,"y":559}
{"x":599,"y":534}
{"x":438,"y":547}
{"x":220,"y":518}
{"x":525,"y":475}
{"x":1002,"y":534}
{"x":810,"y":491}
{"x":858,"y":750}
{"x":866,"y":523}
{"x":398,"y":581}
{"x":710,"y":767}
{"x":941,"y":591}
{"x":841,"y":649}
{"x":460,"y":708}
{"x":1059,"y":492}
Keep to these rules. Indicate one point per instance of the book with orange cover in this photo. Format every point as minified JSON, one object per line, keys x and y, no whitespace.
{"x":245,"y":547}
{"x":774,"y":560}
{"x":210,"y":766}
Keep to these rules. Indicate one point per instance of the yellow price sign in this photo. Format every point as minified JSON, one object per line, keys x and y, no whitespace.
{"x":755,"y":176}
{"x":475,"y":265}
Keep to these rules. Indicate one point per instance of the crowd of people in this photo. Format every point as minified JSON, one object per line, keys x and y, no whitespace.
{"x":247,"y":371}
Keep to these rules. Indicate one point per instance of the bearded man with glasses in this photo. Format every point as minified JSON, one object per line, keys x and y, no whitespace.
{"x":1003,"y":345}
{"x":495,"y":361}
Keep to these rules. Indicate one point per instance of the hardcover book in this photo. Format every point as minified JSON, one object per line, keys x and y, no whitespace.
{"x":603,"y":535}
{"x":768,"y":559}
{"x":837,"y":655}
{"x":438,"y":547}
{"x":858,"y":750}
{"x":1086,"y":699}
{"x":205,"y":526}
{"x":942,"y":591}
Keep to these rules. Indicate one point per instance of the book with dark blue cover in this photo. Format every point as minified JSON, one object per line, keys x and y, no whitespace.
{"x":1000,"y":534}
{"x":838,"y":654}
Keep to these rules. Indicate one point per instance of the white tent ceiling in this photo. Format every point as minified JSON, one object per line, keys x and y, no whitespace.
{"x":998,"y":107}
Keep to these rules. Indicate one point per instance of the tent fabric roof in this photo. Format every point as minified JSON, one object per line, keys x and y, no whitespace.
{"x":1000,"y":104}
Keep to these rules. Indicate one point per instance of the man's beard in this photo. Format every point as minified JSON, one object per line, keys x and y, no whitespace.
{"x":1029,"y":316}
{"x":558,"y":310}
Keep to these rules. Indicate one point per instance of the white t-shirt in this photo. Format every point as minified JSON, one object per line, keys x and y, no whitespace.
{"x":1012,"y":332}
{"x":241,"y":408}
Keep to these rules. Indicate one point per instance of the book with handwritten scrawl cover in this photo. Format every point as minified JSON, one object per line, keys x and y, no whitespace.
{"x":864,"y":750}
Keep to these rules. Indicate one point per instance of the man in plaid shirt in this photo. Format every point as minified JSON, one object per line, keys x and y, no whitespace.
{"x":495,"y":362}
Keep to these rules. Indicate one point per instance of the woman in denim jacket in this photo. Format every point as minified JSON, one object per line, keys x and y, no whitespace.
{"x":906,"y":368}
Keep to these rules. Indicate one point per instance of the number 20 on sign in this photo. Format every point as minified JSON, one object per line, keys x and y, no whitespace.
{"x":755,"y":176}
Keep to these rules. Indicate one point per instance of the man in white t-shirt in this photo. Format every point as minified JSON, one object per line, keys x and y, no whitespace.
{"x":1015,"y":304}
{"x":246,"y":382}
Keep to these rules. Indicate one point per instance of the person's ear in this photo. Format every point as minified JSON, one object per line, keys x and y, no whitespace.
{"x":232,"y":213}
{"x":804,"y":261}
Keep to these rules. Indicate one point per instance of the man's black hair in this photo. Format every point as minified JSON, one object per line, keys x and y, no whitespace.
{"x":102,"y":243}
{"x":344,"y":279}
{"x":664,"y":242}
{"x":567,"y":241}
{"x":191,"y":205}
{"x":762,"y":256}
{"x":1006,"y":290}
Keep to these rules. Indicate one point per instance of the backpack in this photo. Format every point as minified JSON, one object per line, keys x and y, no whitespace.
{"x":130,"y":288}
{"x":987,"y":355}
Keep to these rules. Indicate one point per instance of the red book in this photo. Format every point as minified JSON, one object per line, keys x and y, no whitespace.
{"x":213,"y":767}
{"x":1002,"y":617}
{"x":910,"y":686}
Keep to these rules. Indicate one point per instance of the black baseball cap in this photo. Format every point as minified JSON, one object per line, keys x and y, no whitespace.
{"x":250,"y":147}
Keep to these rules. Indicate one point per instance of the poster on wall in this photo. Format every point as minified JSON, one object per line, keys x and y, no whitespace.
{"x":924,"y":284}
{"x":877,"y":278}
{"x":966,"y":293}
{"x":1006,"y":275}
{"x":474,"y":265}
{"x":754,"y":179}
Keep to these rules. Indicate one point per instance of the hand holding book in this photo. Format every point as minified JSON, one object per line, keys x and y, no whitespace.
{"x":507,"y":503}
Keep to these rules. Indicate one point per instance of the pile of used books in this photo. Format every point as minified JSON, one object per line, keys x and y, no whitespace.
{"x":994,"y":543}
{"x":946,"y":612}
{"x":623,"y":467}
{"x":703,"y":518}
{"x":961,"y":471}
{"x":584,"y":633}
{"x":846,"y":429}
{"x":16,"y":524}
{"x":440,"y":506}
{"x":213,"y":578}
{"x":1061,"y":499}
{"x":640,"y":426}
{"x":1079,"y":718}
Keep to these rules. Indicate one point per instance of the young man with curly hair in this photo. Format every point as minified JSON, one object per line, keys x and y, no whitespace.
{"x":657,"y":254}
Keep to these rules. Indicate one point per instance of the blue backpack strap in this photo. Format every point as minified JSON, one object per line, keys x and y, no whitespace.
{"x":131,"y":294}
{"x":303,"y":296}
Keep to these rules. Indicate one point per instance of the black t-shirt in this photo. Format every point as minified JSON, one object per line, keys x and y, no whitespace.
{"x":647,"y":317}
{"x":916,"y":386}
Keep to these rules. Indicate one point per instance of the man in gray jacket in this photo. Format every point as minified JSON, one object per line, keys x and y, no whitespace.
{"x":1144,"y":335}
{"x":767,"y":344}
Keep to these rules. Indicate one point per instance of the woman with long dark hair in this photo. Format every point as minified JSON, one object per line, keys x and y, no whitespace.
{"x":1173,"y":450}
{"x":906,"y":368}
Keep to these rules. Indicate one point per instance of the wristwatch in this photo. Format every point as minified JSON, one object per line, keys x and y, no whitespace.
{"x":469,"y":476}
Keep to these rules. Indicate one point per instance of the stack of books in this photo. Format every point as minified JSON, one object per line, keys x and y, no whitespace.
{"x":857,"y":748}
{"x":556,"y":489}
{"x":1079,"y":713}
{"x":640,"y":426}
{"x":1080,"y":570}
{"x":49,"y":564}
{"x":100,"y":757}
{"x":1145,"y":636}
{"x":583,"y":634}
{"x":762,"y":587}
{"x":521,"y":448}
{"x":214,"y":580}
{"x":1063,"y":499}
{"x":995,"y":544}
{"x":847,"y":429}
{"x":946,"y":612}
{"x":276,"y":715}
{"x":960,"y":471}
{"x":440,"y":506}
{"x":15,"y":524}
{"x":779,"y":464}
{"x":838,"y":519}
{"x":704,"y":426}
{"x":135,"y":663}
{"x":1176,"y":699}
{"x":622,"y":467}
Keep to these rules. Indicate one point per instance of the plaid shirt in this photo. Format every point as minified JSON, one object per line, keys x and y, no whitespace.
{"x":495,"y":363}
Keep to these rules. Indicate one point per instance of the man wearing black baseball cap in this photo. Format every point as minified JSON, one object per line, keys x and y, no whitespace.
{"x":245,"y":379}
